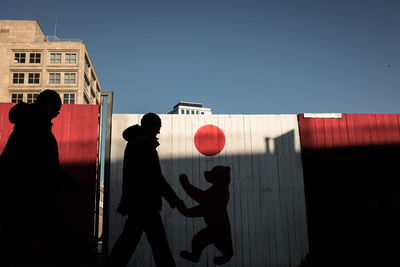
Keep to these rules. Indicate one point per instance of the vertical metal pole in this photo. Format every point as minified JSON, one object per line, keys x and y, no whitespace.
{"x":107,"y":165}
{"x":98,"y":174}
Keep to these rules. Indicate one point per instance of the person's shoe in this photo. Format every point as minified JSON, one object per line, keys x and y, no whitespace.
{"x":189,"y":256}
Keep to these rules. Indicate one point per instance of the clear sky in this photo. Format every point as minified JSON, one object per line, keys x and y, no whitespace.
{"x":236,"y":57}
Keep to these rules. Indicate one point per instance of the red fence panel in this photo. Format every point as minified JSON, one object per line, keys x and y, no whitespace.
{"x":352,"y":186}
{"x":76,"y":131}
{"x":5,"y":125}
{"x":349,"y":131}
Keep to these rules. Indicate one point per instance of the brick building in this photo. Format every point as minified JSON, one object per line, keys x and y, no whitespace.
{"x":31,"y":62}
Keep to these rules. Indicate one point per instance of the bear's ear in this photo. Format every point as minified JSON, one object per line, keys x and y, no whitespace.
{"x":228,"y":168}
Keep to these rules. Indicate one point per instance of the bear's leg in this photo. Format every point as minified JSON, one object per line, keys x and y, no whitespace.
{"x":200,"y":240}
{"x":224,"y":244}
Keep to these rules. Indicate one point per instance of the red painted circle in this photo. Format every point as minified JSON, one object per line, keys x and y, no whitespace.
{"x":209,"y":140}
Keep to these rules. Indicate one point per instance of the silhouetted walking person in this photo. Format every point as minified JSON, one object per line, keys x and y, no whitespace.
{"x":142,"y":189}
{"x":31,"y":179}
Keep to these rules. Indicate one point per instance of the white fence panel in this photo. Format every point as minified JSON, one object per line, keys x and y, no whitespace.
{"x":267,"y":205}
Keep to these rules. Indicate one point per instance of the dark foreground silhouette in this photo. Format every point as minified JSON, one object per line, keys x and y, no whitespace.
{"x":30,"y":185}
{"x":142,"y":189}
{"x":212,"y":206}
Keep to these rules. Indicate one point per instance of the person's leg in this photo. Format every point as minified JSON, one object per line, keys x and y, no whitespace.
{"x":56,"y":235}
{"x":157,"y":238}
{"x":13,"y":239}
{"x":200,"y":240}
{"x":12,"y":245}
{"x":126,"y":244}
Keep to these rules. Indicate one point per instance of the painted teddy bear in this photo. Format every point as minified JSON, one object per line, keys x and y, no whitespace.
{"x":212,"y":206}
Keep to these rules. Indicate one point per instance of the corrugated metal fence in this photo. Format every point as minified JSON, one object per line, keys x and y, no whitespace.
{"x":352,"y":183}
{"x":267,"y":203}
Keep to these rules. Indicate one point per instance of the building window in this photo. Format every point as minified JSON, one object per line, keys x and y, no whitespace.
{"x":32,"y":98}
{"x":55,"y":58}
{"x":87,"y":61}
{"x":87,"y":64}
{"x":86,"y":99}
{"x":69,"y":99}
{"x":70,"y":58}
{"x":69,"y":78}
{"x":202,"y":113}
{"x":197,"y":112}
{"x":87,"y":82}
{"x":182,"y":111}
{"x":18,"y":77}
{"x":19,"y":57}
{"x":33,"y":78}
{"x":93,"y":92}
{"x":17,"y":98}
{"x":54,"y":78}
{"x":192,"y":112}
{"x":34,"y":58}
{"x":93,"y":76}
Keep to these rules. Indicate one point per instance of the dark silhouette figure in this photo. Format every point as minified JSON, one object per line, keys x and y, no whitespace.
{"x":142,"y":189}
{"x":31,"y":180}
{"x":212,"y":206}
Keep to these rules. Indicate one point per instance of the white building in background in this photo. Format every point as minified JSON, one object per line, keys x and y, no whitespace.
{"x":190,"y":108}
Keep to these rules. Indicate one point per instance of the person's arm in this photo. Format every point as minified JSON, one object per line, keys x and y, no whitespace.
{"x":68,"y":181}
{"x":159,"y":181}
{"x":195,"y":211}
{"x":127,"y":175}
{"x":3,"y":182}
{"x":168,"y":193}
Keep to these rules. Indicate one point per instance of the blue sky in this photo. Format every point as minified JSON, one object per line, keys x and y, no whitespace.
{"x":236,"y":57}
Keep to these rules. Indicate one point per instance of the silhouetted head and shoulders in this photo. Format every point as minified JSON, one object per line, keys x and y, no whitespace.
{"x":47,"y":107}
{"x":146,"y":132}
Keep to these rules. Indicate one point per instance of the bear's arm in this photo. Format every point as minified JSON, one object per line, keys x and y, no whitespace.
{"x":194,"y":192}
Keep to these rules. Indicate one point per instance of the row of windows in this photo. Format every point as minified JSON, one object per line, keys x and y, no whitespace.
{"x":21,"y":57}
{"x":31,"y":98}
{"x":18,"y":98}
{"x":89,"y":89}
{"x":33,"y":78}
{"x":54,"y":78}
{"x":87,"y":94}
{"x":69,"y":58}
{"x":55,"y":58}
{"x":191,"y":112}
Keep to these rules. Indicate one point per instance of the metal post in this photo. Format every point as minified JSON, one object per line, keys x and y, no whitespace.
{"x":98,"y":174}
{"x":107,"y":165}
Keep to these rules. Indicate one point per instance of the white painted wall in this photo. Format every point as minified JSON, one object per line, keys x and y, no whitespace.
{"x":267,"y":203}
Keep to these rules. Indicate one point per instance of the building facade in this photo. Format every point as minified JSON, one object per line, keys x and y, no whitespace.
{"x":31,"y":62}
{"x":190,"y":108}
